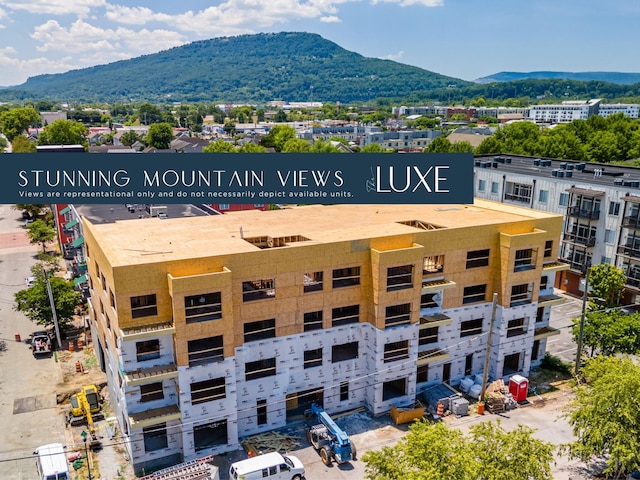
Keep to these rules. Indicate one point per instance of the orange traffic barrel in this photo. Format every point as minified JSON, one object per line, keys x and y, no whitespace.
{"x":18,"y":339}
{"x":78,"y":367}
{"x":440,"y":410}
{"x":72,"y":347}
{"x":480,"y":408}
{"x":80,"y":344}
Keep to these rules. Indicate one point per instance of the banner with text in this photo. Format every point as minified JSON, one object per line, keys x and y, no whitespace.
{"x":438,"y":178}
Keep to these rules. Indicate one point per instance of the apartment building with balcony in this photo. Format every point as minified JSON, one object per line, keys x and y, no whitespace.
{"x":599,"y":202}
{"x":211,"y":329}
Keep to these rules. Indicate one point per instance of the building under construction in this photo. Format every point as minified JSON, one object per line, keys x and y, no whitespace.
{"x":211,"y":329}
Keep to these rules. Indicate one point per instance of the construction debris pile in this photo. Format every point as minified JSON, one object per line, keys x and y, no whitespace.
{"x":270,"y":442}
{"x":498,"y":399}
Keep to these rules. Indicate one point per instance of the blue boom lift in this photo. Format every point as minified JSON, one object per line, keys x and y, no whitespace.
{"x":328,"y":438}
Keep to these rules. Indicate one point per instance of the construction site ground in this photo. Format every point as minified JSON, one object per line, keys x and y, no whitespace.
{"x":109,"y":459}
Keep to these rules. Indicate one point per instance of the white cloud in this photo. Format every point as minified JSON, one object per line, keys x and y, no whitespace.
{"x":408,"y":3}
{"x":129,"y":15}
{"x":3,"y":17}
{"x":54,"y":7}
{"x":111,"y":44}
{"x":330,"y":19}
{"x":394,"y":56}
{"x":231,"y":17}
{"x":16,"y":71}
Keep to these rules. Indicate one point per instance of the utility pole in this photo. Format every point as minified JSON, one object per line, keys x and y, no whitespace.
{"x":485,"y":373}
{"x":585,"y":294}
{"x":53,"y":308}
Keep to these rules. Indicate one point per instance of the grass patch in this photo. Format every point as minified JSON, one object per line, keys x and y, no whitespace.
{"x":550,"y":376}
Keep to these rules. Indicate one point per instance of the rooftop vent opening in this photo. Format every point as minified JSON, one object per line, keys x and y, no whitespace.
{"x":267,"y":241}
{"x":421,"y":225}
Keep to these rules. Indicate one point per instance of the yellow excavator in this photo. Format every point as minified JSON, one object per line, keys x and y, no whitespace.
{"x":85,"y":407}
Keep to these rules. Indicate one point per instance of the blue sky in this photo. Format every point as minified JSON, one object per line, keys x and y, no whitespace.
{"x":465,"y":39}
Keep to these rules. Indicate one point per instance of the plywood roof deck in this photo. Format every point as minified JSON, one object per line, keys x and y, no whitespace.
{"x":151,"y":240}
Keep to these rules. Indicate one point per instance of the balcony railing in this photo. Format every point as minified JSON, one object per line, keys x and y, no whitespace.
{"x":517,"y":198}
{"x":629,"y":250}
{"x":631,"y":222}
{"x":580,"y":240}
{"x":583,"y":213}
{"x":633,"y":282}
{"x":576,"y":265}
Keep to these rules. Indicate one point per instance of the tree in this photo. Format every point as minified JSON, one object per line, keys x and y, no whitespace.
{"x":320,"y":146}
{"x":372,"y":148}
{"x":251,"y":147}
{"x":219,"y":146}
{"x":431,"y":451}
{"x":296,"y":145}
{"x":280,"y":117}
{"x":277,"y":137}
{"x":129,"y":137}
{"x":149,"y":114}
{"x":33,"y":209}
{"x":606,"y":286}
{"x":63,"y":132}
{"x":34,"y":301}
{"x":610,"y":332}
{"x":439,"y":144}
{"x":160,"y":136}
{"x":604,"y":414}
{"x":229,"y":128}
{"x":40,"y":232}
{"x":460,"y":147}
{"x":16,"y":121}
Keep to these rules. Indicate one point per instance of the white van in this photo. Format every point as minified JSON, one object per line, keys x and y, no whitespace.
{"x":273,"y":466}
{"x":52,"y":462}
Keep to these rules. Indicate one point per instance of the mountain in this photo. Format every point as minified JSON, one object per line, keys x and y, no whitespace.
{"x":609,"y":77}
{"x":289,"y":66}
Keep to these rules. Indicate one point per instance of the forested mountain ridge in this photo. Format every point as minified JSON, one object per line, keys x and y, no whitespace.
{"x":619,"y":78}
{"x":289,"y":66}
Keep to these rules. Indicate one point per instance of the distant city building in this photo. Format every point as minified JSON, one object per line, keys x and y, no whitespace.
{"x":401,"y":140}
{"x":628,"y":109}
{"x":565,"y":112}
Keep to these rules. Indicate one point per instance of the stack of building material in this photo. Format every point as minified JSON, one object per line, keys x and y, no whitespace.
{"x":459,"y":406}
{"x":200,"y":469}
{"x":440,"y":393}
{"x":496,"y":396}
{"x":495,"y":402}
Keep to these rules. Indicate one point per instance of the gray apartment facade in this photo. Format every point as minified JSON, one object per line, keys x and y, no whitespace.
{"x":600,"y":204}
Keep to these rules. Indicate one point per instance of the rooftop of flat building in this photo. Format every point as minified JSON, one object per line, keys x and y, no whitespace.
{"x":152,"y":240}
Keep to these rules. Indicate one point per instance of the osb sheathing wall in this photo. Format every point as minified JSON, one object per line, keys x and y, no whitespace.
{"x":172,"y":280}
{"x":396,"y":254}
{"x":96,"y":256}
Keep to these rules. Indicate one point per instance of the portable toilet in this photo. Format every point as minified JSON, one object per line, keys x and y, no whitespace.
{"x":519,"y":387}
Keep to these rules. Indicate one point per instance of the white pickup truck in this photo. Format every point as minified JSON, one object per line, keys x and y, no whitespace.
{"x":41,"y":343}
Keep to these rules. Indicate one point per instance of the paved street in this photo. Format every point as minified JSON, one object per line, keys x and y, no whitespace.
{"x":27,"y":385}
{"x":563,"y":345}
